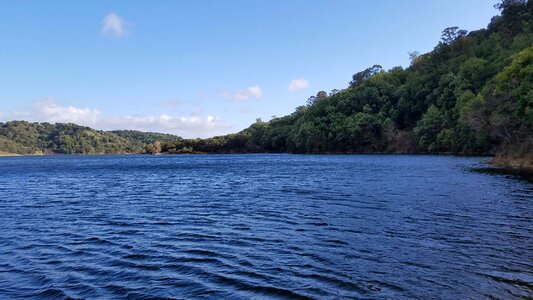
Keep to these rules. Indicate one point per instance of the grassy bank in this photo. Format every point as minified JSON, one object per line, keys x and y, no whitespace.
{"x":2,"y":153}
{"x":523,"y":163}
{"x":516,"y":159}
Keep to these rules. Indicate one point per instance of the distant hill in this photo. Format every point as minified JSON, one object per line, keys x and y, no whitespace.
{"x":23,"y":137}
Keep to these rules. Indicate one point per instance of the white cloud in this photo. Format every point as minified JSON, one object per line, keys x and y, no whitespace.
{"x":191,"y":126}
{"x":255,"y":91}
{"x":298,"y":84}
{"x":188,"y":127}
{"x":50,"y":111}
{"x":251,"y":92}
{"x":113,"y":25}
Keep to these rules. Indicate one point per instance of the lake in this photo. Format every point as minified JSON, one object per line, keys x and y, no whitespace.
{"x":263,"y":226}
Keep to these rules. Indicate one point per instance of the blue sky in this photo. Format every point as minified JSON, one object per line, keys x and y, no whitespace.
{"x":202,"y":68}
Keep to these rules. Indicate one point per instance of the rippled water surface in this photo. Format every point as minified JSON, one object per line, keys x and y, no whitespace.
{"x":262,"y":226}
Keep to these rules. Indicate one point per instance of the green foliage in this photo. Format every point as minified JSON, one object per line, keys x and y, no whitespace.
{"x":515,"y":82}
{"x":146,"y":137}
{"x":429,"y":129}
{"x":36,"y":138}
{"x":361,"y":77}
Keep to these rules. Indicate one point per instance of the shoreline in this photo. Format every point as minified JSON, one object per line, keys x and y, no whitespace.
{"x":498,"y":164}
{"x":2,"y":153}
{"x":522,"y":166}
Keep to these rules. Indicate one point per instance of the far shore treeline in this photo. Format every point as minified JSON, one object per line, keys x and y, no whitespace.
{"x":473,"y":94}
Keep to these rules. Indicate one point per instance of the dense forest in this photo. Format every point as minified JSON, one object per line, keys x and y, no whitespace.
{"x":473,"y":94}
{"x":23,"y":137}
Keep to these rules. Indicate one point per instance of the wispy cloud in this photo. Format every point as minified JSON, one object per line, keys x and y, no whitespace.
{"x":194,"y":125}
{"x":298,"y":84}
{"x":113,"y":25}
{"x":243,"y":95}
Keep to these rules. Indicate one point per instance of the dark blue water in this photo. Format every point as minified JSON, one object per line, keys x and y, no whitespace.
{"x":262,"y":226}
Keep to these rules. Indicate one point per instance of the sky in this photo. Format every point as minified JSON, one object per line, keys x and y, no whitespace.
{"x":205,"y":67}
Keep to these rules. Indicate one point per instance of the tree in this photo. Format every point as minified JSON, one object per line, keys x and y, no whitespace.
{"x":321,"y":95}
{"x":506,"y":5}
{"x":310,"y":101}
{"x":450,"y":34}
{"x":429,"y":127}
{"x":413,"y":56}
{"x":157,"y":147}
{"x":515,"y":15}
{"x":360,"y":77}
{"x":512,"y":100}
{"x":334,"y":92}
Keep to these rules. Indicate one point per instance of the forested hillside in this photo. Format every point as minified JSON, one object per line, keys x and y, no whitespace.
{"x":473,"y":94}
{"x":23,"y":137}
